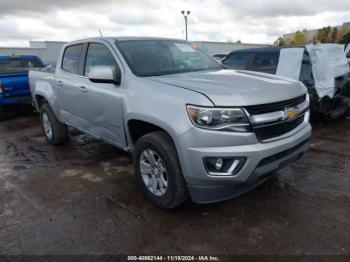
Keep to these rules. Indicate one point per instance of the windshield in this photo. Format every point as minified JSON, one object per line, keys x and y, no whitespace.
{"x":162,"y":57}
{"x":19,"y":64}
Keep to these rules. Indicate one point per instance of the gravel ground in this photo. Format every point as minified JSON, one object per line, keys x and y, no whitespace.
{"x":81,"y":198}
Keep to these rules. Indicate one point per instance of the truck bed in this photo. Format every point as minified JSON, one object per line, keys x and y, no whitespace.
{"x":50,"y":70}
{"x":41,"y":78}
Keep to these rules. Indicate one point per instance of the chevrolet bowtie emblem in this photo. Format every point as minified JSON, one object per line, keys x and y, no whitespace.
{"x":291,"y":113}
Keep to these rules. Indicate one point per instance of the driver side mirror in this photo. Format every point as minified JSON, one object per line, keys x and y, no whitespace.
{"x":104,"y":74}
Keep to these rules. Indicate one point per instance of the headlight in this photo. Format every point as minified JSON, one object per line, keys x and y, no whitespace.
{"x":219,"y":119}
{"x":308,"y":99}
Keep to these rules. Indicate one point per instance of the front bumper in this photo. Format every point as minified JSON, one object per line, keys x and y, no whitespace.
{"x":261,"y":159}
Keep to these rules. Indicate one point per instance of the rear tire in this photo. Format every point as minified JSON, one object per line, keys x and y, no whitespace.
{"x":54,"y":131}
{"x":157,"y":154}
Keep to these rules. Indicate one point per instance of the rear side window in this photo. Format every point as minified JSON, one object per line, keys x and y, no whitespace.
{"x":71,"y":59}
{"x":237,"y":60}
{"x":265,"y":62}
{"x":99,"y":55}
{"x":306,"y":71}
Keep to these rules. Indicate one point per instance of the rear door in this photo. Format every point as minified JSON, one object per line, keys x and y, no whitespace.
{"x":69,"y":77}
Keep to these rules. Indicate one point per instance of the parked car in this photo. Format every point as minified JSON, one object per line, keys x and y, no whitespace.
{"x":14,"y":87}
{"x":219,"y":57}
{"x":194,"y":128}
{"x":266,"y":60}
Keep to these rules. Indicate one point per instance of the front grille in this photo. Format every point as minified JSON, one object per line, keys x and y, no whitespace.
{"x":278,"y":129}
{"x":273,"y":107}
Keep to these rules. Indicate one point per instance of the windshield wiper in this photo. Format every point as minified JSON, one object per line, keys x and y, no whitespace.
{"x":153,"y":74}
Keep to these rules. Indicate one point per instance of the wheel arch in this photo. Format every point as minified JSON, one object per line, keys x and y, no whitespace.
{"x":136,"y":128}
{"x":44,"y":92}
{"x":39,"y":101}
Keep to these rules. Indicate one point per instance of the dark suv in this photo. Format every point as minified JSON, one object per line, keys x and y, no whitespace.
{"x":266,"y":60}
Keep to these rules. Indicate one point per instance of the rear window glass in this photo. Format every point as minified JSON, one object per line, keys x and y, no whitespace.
{"x":19,"y":64}
{"x":306,"y":71}
{"x":237,"y":60}
{"x":71,"y":59}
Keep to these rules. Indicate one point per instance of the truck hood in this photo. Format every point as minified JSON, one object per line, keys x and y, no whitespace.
{"x":236,"y":88}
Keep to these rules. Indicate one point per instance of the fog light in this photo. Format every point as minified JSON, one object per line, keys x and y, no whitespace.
{"x":218,"y":166}
{"x":219,"y":163}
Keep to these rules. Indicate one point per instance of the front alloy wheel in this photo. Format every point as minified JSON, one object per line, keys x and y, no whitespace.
{"x":153,"y":172}
{"x":158,"y":170}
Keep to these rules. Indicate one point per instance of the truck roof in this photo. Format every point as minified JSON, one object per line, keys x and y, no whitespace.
{"x":269,"y":49}
{"x":265,"y":49}
{"x":122,"y":38}
{"x":126,"y":38}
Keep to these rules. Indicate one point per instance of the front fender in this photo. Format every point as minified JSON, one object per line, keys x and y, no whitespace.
{"x":159,"y":122}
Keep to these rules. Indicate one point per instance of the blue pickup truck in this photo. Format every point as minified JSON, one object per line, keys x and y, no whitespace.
{"x":14,"y":84}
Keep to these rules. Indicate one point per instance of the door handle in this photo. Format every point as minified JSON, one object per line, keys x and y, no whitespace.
{"x":83,"y":88}
{"x":59,"y":82}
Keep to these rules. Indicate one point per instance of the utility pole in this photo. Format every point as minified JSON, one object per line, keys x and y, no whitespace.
{"x":186,"y":15}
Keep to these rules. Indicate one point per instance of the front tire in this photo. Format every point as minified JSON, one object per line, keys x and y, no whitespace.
{"x":55,"y":132}
{"x":158,"y":170}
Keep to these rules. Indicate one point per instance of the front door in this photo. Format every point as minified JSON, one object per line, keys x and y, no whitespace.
{"x":102,"y":101}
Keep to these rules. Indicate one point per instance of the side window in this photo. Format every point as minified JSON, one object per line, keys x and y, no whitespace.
{"x":99,"y":55}
{"x":265,"y":62}
{"x":306,"y":71}
{"x":237,"y":60}
{"x":71,"y":59}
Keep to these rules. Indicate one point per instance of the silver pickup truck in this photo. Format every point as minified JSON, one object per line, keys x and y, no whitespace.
{"x":195,"y":129}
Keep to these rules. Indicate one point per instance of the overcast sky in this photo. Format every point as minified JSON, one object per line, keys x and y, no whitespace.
{"x":251,"y":21}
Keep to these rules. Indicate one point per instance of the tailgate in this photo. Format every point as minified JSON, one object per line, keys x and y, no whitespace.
{"x":15,"y":85}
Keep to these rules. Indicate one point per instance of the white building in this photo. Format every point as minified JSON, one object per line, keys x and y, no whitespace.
{"x":48,"y":51}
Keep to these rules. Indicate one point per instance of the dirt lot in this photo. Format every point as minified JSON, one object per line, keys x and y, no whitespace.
{"x":81,"y":198}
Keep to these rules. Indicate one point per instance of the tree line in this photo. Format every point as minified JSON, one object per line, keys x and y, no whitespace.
{"x":324,"y":35}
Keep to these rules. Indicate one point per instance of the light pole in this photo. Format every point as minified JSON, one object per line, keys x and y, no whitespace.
{"x":186,"y":15}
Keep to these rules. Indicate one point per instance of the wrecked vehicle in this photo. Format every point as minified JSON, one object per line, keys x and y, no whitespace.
{"x":194,"y":128}
{"x":329,"y":94}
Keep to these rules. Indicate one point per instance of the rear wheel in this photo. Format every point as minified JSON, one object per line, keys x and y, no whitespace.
{"x":158,"y":170}
{"x":55,"y":132}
